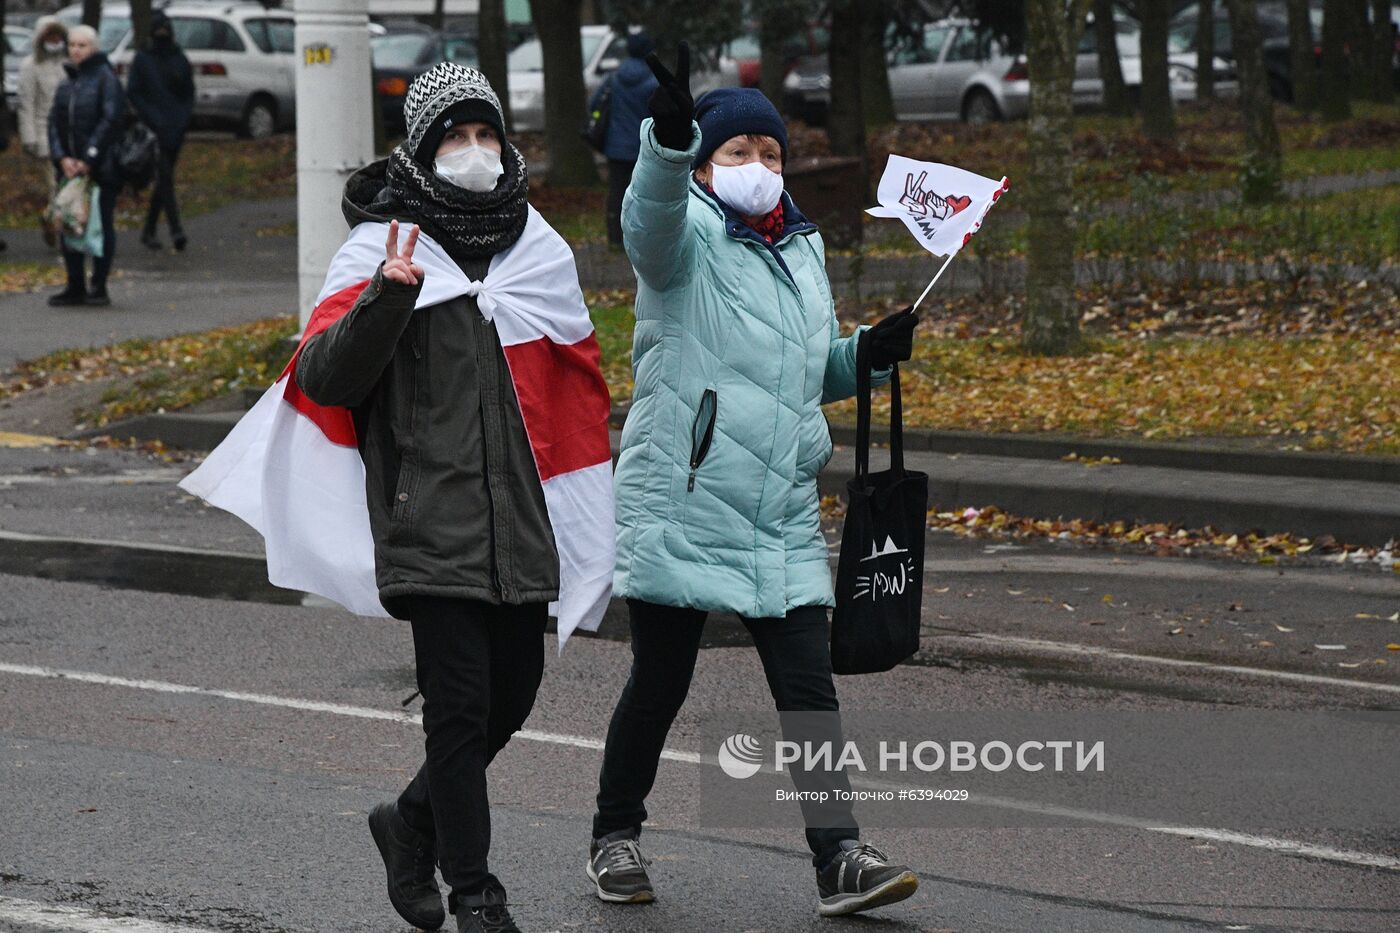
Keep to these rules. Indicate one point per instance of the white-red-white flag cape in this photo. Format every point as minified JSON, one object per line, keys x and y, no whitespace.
{"x":942,"y":205}
{"x":291,"y":468}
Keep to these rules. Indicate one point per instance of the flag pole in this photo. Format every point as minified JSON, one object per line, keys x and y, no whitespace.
{"x":935,"y":279}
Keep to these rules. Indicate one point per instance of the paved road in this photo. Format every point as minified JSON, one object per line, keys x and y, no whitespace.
{"x":240,"y":807}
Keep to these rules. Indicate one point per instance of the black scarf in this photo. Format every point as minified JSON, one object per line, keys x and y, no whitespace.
{"x":468,"y":224}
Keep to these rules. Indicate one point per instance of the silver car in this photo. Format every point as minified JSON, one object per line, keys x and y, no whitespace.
{"x":17,"y":45}
{"x":241,"y":53}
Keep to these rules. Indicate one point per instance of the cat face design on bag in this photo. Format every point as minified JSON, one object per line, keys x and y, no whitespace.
{"x":890,"y":573}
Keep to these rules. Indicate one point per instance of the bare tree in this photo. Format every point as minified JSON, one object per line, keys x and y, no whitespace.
{"x":876,"y":99}
{"x":1382,"y":49}
{"x":92,"y":13}
{"x":1158,"y":116}
{"x":570,"y":160}
{"x":1262,"y":178}
{"x":1302,"y":61}
{"x":845,"y":125}
{"x":493,"y":46}
{"x":1205,"y":51}
{"x":1051,"y":321}
{"x":1336,"y":92}
{"x":1115,"y":92}
{"x":1359,"y":50}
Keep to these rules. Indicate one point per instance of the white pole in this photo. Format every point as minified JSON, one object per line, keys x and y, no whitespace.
{"x":335,"y":129}
{"x":935,"y":279}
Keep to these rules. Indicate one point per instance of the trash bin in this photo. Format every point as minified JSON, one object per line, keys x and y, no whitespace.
{"x":830,"y":190}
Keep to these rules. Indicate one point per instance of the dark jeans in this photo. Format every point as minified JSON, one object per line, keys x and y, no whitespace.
{"x":479,"y":667}
{"x":619,"y":177}
{"x":796,"y":655}
{"x":107,"y":208}
{"x":163,"y":194}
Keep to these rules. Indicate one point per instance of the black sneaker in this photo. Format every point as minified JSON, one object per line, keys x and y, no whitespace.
{"x":151,"y":241}
{"x":860,"y":878}
{"x":485,"y":913}
{"x":619,"y":871}
{"x":181,"y":241}
{"x":411,"y":864}
{"x":98,"y":297}
{"x":66,"y":298}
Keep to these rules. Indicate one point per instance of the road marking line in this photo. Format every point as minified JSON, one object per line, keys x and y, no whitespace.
{"x":1074,"y":648}
{"x":133,"y":478}
{"x":81,"y":920}
{"x":1267,"y":843}
{"x":152,"y":547}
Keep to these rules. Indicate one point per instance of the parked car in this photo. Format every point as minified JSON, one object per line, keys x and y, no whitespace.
{"x":1184,"y":33}
{"x":112,"y":28}
{"x":241,"y":53}
{"x":951,"y":70}
{"x":603,"y":51}
{"x":18,"y":41}
{"x":400,"y":55}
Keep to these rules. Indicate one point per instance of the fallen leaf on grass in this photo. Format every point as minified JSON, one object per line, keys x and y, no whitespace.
{"x":1330,"y":647}
{"x":1282,"y":628}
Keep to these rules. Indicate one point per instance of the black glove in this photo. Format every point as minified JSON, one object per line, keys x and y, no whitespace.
{"x":892,"y":339}
{"x":671,"y":104}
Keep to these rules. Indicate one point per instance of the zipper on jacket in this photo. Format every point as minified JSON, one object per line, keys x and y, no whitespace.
{"x":702,"y":433}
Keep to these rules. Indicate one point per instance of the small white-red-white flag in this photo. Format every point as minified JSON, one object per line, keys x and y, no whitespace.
{"x":942,"y":205}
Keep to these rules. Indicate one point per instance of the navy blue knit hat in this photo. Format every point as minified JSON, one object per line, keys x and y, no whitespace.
{"x":727,"y":112}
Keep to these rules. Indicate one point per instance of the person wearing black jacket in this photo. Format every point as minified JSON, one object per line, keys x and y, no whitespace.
{"x":84,"y":126}
{"x":161,"y":88}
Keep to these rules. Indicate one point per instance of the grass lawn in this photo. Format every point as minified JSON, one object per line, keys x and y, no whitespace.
{"x":27,"y":276}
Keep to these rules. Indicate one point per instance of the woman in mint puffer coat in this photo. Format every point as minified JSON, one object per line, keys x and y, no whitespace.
{"x":736,"y":349}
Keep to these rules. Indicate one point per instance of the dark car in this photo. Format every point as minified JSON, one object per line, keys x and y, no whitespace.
{"x":401,"y":55}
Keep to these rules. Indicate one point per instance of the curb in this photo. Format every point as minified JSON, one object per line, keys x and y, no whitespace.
{"x":1353,"y":499}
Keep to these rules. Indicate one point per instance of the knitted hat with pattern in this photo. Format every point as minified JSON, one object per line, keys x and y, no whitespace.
{"x":442,"y":97}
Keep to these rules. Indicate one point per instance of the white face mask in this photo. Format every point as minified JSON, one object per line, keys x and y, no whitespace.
{"x":55,"y":48}
{"x":751,"y":189}
{"x":474,"y":168}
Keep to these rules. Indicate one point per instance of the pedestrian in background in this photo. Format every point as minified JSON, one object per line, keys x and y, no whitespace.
{"x":161,"y":89}
{"x":40,"y":74}
{"x":737,"y":347}
{"x":630,"y":87}
{"x":84,"y":125}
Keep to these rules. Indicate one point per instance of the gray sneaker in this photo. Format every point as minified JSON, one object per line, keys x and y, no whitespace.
{"x":861,"y":878}
{"x":618,"y":870}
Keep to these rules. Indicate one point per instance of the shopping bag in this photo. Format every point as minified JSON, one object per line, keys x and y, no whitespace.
{"x":89,"y":241}
{"x":880,"y":573}
{"x":68,"y":210}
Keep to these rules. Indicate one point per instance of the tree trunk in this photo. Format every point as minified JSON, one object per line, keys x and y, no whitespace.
{"x":1158,"y":119}
{"x":1382,"y":50}
{"x":1051,"y":322}
{"x":845,"y":124}
{"x":1115,"y":92}
{"x":570,"y":159}
{"x":1262,"y":176}
{"x":1302,"y":61}
{"x":1205,"y":51}
{"x":1336,"y":94}
{"x":493,"y":44}
{"x":439,"y":14}
{"x":1359,"y":51}
{"x":4,"y":99}
{"x":875,"y":97}
{"x":92,"y":13}
{"x":140,"y":23}
{"x":772,"y":66}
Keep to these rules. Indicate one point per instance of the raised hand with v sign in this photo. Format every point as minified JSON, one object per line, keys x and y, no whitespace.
{"x":671,"y":104}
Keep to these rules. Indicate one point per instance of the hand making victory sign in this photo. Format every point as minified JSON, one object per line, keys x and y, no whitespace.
{"x":399,"y":266}
{"x":671,"y":105}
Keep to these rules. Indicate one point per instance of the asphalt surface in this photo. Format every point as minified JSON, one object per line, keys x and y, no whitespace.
{"x":242,"y":809}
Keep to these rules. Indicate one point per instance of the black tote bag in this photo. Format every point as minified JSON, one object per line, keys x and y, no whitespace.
{"x":879,"y":577}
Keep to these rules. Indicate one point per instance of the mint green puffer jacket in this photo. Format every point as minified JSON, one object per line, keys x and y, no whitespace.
{"x":735,"y":351}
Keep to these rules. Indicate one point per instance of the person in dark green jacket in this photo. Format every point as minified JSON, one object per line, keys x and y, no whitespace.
{"x":736,"y":348}
{"x":463,"y":544}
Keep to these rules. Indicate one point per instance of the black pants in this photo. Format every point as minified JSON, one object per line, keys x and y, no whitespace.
{"x":619,"y":177}
{"x":796,"y":655}
{"x":479,"y":667}
{"x":163,"y":194}
{"x":73,"y":261}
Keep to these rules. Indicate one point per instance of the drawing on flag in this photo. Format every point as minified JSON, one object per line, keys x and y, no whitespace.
{"x":292,"y":470}
{"x":942,"y":205}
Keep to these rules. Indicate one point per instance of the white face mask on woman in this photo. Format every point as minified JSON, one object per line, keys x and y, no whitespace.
{"x":56,"y":48}
{"x":474,"y":168}
{"x":751,"y":189}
